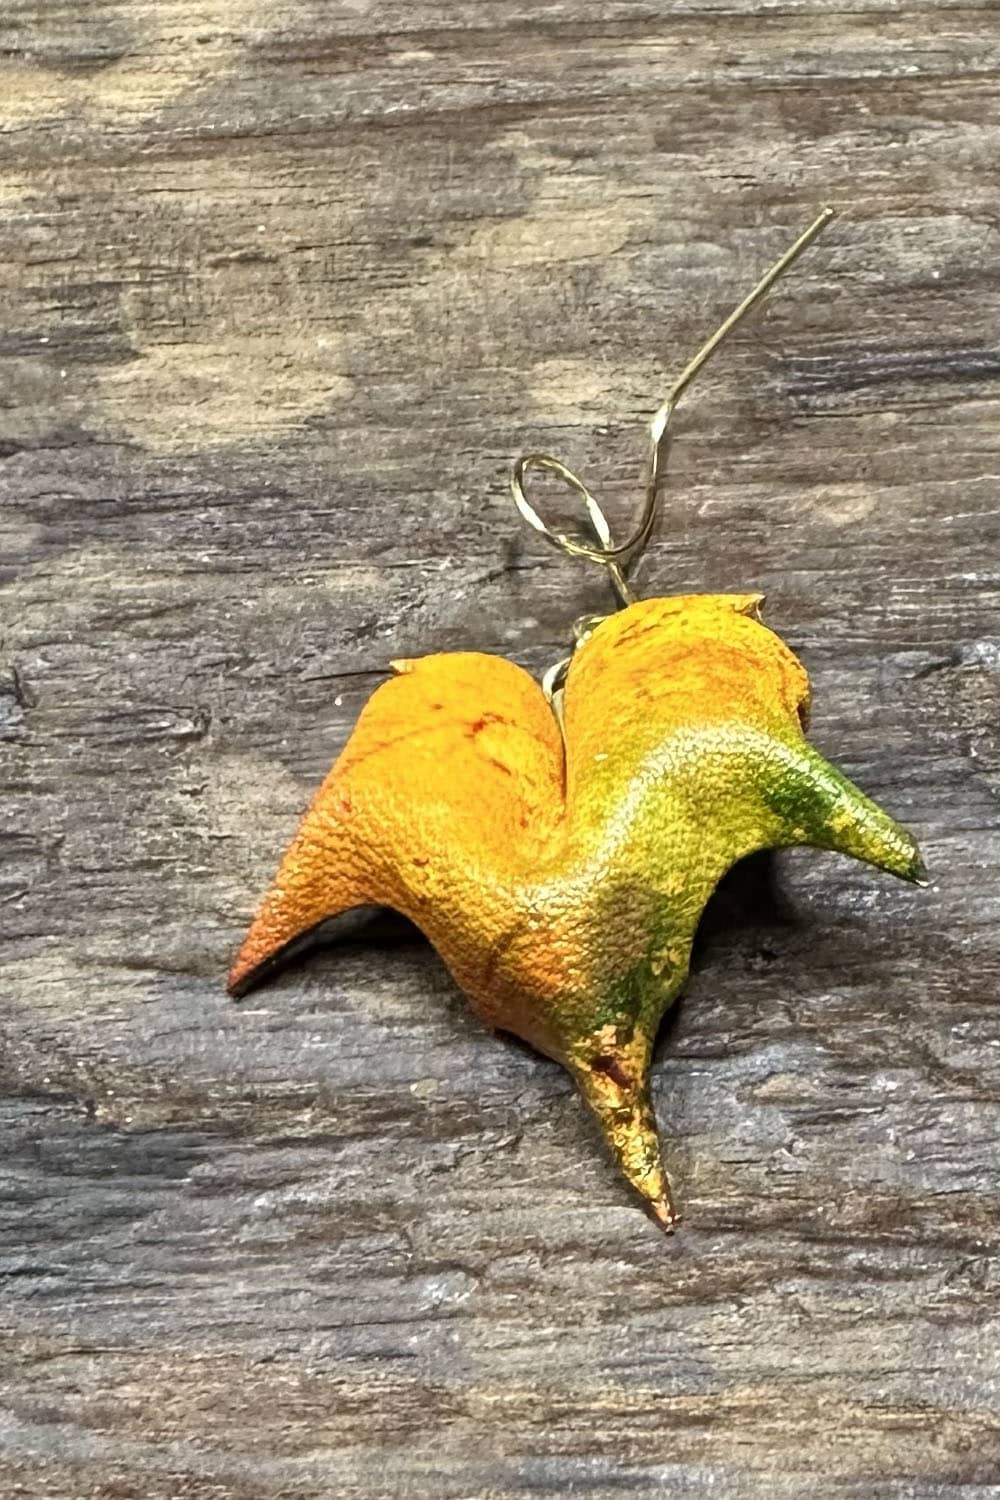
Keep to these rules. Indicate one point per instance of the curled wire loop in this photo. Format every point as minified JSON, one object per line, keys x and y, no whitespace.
{"x":617,"y":557}
{"x":604,"y":550}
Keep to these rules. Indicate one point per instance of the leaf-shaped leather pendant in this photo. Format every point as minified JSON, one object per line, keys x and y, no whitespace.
{"x":560,"y":869}
{"x":562,"y":888}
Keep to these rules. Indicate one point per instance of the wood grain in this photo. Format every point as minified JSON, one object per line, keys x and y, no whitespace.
{"x":282,"y":291}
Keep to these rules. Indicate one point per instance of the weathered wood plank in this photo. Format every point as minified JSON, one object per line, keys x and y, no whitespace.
{"x":281,"y":295}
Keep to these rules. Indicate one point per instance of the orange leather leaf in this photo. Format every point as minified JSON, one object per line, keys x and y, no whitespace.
{"x":563,"y":889}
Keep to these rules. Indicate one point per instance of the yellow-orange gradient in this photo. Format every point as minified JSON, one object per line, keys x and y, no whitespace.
{"x":562,"y":885}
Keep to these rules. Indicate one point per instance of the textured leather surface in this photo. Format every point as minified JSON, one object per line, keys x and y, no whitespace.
{"x":563,"y":885}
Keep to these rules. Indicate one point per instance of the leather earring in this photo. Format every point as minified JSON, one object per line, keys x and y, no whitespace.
{"x":557,"y":842}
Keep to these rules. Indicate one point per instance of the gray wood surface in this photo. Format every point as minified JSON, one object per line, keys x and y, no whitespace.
{"x":283,"y":288}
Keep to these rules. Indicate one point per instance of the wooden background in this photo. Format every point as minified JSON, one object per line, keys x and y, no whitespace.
{"x":283,"y":288}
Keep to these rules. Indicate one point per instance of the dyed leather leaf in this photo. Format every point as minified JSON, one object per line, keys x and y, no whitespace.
{"x":562,"y":884}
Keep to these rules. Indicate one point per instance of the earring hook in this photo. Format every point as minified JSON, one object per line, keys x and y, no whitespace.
{"x":618,"y":557}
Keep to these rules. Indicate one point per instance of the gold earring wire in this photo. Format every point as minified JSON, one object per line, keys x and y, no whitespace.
{"x":618,"y":557}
